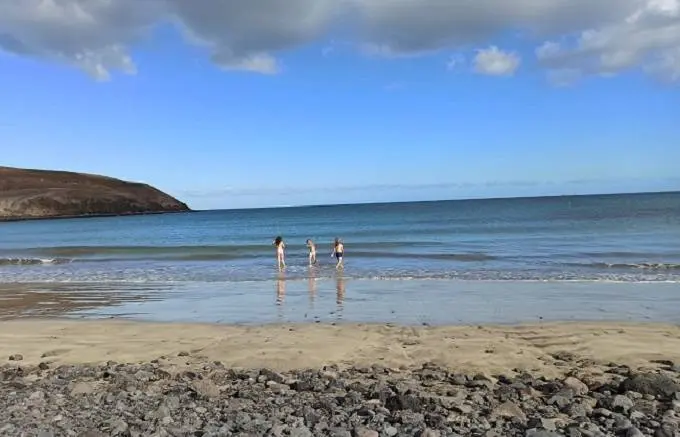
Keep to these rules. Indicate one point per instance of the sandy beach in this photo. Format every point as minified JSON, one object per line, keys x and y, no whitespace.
{"x":487,"y":349}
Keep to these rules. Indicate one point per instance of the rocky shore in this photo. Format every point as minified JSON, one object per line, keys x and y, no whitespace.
{"x":209,"y":399}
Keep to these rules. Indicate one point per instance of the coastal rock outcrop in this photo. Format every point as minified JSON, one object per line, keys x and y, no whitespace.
{"x":33,"y":194}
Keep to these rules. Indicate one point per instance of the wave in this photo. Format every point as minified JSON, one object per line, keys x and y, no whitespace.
{"x":32,"y":261}
{"x":470,"y":257}
{"x":638,"y":265}
{"x":238,"y":252}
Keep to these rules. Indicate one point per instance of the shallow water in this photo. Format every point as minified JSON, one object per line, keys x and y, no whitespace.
{"x":629,"y":238}
{"x":482,"y":261}
{"x":435,"y":302}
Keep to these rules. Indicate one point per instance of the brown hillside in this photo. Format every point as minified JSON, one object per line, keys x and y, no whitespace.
{"x":27,"y":194}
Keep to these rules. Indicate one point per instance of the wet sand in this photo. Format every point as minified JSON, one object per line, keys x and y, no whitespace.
{"x":407,"y":302}
{"x":489,"y":349}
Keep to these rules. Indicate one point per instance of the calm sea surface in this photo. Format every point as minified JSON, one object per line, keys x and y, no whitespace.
{"x":595,"y":240}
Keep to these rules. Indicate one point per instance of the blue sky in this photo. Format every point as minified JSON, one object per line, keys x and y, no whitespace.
{"x":341,"y":115}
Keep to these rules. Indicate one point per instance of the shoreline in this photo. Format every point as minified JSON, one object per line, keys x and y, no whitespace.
{"x":489,"y":349}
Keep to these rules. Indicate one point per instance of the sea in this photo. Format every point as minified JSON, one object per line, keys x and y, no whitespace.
{"x":467,"y":261}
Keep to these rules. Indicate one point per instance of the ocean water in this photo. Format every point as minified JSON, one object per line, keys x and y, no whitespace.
{"x":632,"y":239}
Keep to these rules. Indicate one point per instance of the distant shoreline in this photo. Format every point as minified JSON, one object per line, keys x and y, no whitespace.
{"x":66,"y":217}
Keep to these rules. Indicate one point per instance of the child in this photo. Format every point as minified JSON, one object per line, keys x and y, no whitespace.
{"x":280,"y":257}
{"x":338,"y":250}
{"x":312,"y":252}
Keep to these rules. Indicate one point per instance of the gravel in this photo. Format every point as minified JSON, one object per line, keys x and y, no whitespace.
{"x":211,"y":400}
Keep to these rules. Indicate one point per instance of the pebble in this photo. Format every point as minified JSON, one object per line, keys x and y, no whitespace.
{"x":365,"y":432}
{"x":576,"y":385}
{"x":211,"y":400}
{"x":634,"y":432}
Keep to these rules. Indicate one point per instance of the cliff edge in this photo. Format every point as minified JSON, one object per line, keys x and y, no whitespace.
{"x":32,"y":194}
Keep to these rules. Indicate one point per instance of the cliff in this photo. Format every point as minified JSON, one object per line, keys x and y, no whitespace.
{"x":33,"y":194}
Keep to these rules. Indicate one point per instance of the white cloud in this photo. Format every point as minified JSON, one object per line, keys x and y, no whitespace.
{"x":584,"y":37}
{"x":495,"y":62}
{"x":649,"y":36}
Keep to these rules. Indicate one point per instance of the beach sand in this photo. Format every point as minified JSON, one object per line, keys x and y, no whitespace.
{"x":487,"y":349}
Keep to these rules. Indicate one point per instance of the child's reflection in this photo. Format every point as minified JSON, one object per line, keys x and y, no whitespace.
{"x":339,"y":289}
{"x":311,"y":285}
{"x":280,"y":288}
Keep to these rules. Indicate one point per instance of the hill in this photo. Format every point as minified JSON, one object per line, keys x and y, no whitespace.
{"x":33,"y":194}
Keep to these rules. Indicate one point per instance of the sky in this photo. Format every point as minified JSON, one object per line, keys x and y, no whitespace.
{"x":233,"y":104}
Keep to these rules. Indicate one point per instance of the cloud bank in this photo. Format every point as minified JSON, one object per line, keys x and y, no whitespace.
{"x":572,"y":38}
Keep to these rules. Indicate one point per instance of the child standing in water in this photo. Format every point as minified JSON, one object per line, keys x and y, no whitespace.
{"x":280,"y":257}
{"x":312,"y":252}
{"x":338,"y":250}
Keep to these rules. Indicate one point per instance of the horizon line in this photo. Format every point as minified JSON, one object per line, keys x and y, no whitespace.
{"x":461,"y":199}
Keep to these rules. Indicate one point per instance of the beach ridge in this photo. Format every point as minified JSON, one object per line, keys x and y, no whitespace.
{"x":489,"y":349}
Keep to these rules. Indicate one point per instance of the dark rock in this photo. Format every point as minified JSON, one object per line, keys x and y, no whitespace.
{"x":664,"y":431}
{"x":651,"y":384}
{"x":561,"y":399}
{"x":634,"y":432}
{"x":16,"y":357}
{"x":183,"y":354}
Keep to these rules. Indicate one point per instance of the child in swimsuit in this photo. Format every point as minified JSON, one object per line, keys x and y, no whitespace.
{"x":312,"y":252}
{"x":280,"y":256}
{"x":338,"y":251}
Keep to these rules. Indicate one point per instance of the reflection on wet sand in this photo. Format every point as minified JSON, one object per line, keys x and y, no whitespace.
{"x":52,"y":300}
{"x":340,"y":290}
{"x":311,"y":284}
{"x":280,"y":288}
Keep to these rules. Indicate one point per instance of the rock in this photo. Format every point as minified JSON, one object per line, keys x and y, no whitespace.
{"x":365,"y":432}
{"x":561,"y":399}
{"x":634,"y":432}
{"x":576,"y":386}
{"x":510,"y":410}
{"x":119,"y":427}
{"x":206,"y":388}
{"x":16,"y":357}
{"x":301,"y":431}
{"x":637,"y":416}
{"x":208,"y":400}
{"x":390,"y":431}
{"x":82,"y":388}
{"x":43,"y":366}
{"x":548,"y":424}
{"x":650,"y":384}
{"x":664,"y":431}
{"x":340,"y":432}
{"x":183,"y":354}
{"x":622,"y":403}
{"x":26,"y":194}
{"x":578,"y":409}
{"x":541,"y":433}
{"x":270,"y":375}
